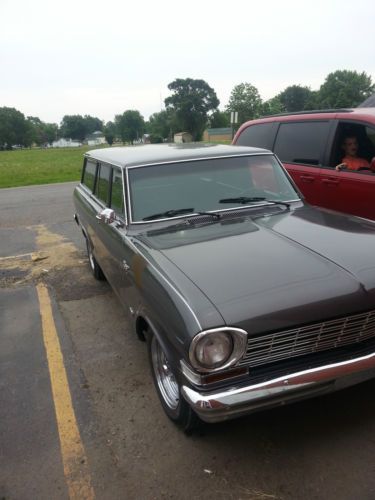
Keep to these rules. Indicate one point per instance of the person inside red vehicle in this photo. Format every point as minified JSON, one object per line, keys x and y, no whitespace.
{"x":351,"y":160}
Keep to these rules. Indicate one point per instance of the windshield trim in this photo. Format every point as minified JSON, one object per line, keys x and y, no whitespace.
{"x":232,"y":209}
{"x":186,"y":160}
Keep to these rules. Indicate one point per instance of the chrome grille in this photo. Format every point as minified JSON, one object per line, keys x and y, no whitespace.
{"x":319,"y":337}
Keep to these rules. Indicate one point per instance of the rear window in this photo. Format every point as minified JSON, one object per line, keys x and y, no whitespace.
{"x":89,"y":174}
{"x":302,"y":142}
{"x":102,"y":188}
{"x":258,"y":136}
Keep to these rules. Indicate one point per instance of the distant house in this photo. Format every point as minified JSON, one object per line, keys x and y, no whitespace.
{"x":96,"y":138}
{"x":183,"y":137}
{"x":217,"y":134}
{"x":66,"y":143}
{"x":369,"y":102}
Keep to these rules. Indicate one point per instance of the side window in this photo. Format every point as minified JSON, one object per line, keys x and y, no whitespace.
{"x":302,"y":142}
{"x":365,"y":135}
{"x":117,"y":201}
{"x":259,"y":136}
{"x":89,"y":174}
{"x":103,"y":182}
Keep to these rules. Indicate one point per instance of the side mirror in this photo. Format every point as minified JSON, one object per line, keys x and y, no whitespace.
{"x":107,"y":216}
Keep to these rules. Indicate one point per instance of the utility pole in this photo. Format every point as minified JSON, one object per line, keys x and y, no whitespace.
{"x":233,"y":120}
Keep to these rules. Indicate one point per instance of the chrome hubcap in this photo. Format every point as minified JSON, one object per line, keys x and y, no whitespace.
{"x":165,"y":378}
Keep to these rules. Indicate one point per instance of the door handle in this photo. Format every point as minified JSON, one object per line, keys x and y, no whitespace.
{"x":307,"y":178}
{"x":125,"y":266}
{"x":330,"y":182}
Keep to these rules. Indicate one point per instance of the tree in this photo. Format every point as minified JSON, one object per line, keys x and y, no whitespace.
{"x":272,"y":107}
{"x":14,"y":128}
{"x":42,"y":133}
{"x":161,"y":124}
{"x":93,"y":124}
{"x":191,"y":102}
{"x":245,"y":99}
{"x":219,"y":119}
{"x":110,"y":132}
{"x":345,"y":89}
{"x":73,"y":127}
{"x":51,"y":132}
{"x":295,"y":98}
{"x":78,"y":126}
{"x":130,"y":125}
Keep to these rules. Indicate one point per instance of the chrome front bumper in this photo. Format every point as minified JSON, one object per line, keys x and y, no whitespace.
{"x":237,"y":401}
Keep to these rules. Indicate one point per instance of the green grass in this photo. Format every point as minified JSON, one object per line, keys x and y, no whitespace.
{"x":40,"y":166}
{"x":26,"y":167}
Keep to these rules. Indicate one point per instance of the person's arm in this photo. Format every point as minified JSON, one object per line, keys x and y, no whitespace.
{"x":341,"y":166}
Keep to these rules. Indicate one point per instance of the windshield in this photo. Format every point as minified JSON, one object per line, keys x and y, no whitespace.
{"x":177,"y":189}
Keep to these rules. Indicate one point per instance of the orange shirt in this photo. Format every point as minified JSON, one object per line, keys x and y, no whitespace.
{"x":355,"y":163}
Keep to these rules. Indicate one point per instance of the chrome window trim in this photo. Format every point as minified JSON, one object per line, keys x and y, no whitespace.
{"x":122,"y":217}
{"x":123,"y":196}
{"x":127,"y":168}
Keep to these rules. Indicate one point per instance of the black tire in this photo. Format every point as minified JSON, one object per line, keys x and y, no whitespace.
{"x":168,"y":387}
{"x":94,"y":266}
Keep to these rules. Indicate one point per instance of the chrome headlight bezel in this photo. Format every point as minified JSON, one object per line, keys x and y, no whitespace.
{"x":239,"y":343}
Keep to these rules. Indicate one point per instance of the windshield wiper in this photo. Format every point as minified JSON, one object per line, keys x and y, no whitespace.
{"x":243,"y":200}
{"x":213,"y":214}
{"x":169,"y":213}
{"x":277,"y":202}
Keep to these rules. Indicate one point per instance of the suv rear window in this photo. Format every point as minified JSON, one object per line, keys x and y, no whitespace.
{"x":301,"y":142}
{"x":259,"y":136}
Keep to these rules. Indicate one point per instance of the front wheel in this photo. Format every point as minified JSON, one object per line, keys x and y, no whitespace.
{"x":168,"y":387}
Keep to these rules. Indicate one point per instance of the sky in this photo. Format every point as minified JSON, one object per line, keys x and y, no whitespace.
{"x":103,"y":57}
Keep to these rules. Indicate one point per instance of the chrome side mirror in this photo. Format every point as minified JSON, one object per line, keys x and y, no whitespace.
{"x":107,"y":216}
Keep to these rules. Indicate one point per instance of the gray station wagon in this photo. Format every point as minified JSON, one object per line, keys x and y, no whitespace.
{"x":248,"y":298}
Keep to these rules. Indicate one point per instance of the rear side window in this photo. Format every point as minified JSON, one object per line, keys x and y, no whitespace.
{"x":89,"y":174}
{"x":102,"y":185}
{"x":301,"y":142}
{"x":117,"y":201}
{"x":258,"y":136}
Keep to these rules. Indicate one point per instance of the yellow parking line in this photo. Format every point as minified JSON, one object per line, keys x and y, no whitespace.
{"x":10,"y":257}
{"x":76,"y":470}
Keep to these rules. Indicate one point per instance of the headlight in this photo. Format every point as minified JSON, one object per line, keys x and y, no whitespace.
{"x":213,"y":350}
{"x":217,"y":349}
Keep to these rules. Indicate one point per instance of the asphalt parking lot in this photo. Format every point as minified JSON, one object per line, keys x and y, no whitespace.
{"x":79,"y":417}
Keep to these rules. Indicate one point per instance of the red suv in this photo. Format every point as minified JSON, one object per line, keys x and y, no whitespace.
{"x":310,"y":145}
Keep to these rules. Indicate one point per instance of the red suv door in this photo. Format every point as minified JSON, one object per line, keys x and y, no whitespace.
{"x":301,"y":146}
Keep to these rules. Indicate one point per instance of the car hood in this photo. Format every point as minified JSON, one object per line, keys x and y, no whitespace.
{"x":277,"y":271}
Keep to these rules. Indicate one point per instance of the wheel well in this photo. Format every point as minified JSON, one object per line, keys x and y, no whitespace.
{"x":141,"y":327}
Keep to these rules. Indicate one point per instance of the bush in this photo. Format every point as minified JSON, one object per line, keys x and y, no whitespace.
{"x":156,"y":139}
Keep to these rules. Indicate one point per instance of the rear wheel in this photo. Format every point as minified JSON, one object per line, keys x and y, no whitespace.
{"x":94,"y":266}
{"x":168,"y":387}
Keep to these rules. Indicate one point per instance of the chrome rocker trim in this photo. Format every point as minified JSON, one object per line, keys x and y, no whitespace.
{"x":236,"y":401}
